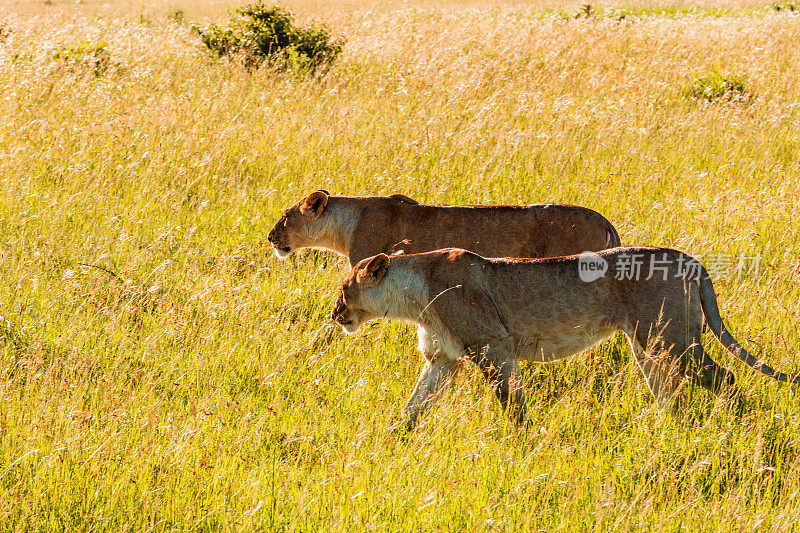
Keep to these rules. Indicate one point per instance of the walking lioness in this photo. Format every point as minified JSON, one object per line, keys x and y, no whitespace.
{"x":497,"y":312}
{"x":361,"y":226}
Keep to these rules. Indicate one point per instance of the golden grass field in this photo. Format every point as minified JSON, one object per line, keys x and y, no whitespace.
{"x":161,"y":370}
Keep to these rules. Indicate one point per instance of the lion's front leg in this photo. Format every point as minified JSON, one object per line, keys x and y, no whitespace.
{"x":437,"y":372}
{"x":504,"y":376}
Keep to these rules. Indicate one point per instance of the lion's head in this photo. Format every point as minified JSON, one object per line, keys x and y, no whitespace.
{"x":298,"y":225}
{"x":361,"y":297}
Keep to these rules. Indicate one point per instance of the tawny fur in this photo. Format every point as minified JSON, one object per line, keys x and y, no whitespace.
{"x":358,"y":227}
{"x":501,"y":311}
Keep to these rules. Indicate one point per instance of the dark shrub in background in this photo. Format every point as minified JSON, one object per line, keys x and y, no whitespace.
{"x":717,"y":84}
{"x":257,"y":34}
{"x":83,"y":55}
{"x":4,"y":33}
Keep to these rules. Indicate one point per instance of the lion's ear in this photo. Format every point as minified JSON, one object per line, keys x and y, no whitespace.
{"x":313,"y":204}
{"x":372,"y":273}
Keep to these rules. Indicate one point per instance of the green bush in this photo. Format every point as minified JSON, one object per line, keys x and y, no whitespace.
{"x":5,"y":32}
{"x":257,"y":34}
{"x":177,"y":16}
{"x":716,"y":85}
{"x":789,"y":5}
{"x":586,"y":11}
{"x":84,"y":54}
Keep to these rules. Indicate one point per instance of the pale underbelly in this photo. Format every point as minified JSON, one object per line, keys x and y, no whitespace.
{"x":555,"y":347}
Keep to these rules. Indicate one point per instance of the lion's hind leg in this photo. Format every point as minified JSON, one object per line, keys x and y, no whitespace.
{"x":708,"y":373}
{"x":661,"y":371}
{"x":664,"y":366}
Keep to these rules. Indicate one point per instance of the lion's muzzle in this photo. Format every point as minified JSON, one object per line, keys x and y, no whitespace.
{"x":275,"y":241}
{"x":340,"y":313}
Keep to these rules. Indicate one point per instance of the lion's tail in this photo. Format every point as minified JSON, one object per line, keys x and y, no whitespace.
{"x":711,"y":311}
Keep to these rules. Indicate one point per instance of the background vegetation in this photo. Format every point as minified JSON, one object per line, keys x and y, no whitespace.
{"x":258,"y":33}
{"x":159,"y":369}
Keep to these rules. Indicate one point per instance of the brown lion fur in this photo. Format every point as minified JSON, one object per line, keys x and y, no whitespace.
{"x":361,"y":226}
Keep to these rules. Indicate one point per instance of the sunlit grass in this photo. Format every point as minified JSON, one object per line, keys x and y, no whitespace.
{"x":160,"y":369}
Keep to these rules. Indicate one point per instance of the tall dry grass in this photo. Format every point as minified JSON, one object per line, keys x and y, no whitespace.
{"x":160,"y":370}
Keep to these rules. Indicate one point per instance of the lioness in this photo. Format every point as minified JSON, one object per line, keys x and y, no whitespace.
{"x":358,"y":227}
{"x":497,"y":312}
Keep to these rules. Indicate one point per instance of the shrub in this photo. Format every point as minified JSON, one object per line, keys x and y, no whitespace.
{"x":257,"y":33}
{"x":789,"y":5}
{"x":177,"y":16}
{"x":5,"y":32}
{"x":95,"y":57}
{"x":716,"y":85}
{"x":586,"y":11}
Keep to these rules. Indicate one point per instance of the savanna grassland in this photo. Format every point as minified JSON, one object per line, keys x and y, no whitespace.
{"x":160,"y":369}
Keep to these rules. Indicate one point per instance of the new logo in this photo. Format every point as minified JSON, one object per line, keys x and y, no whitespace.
{"x":591,"y":266}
